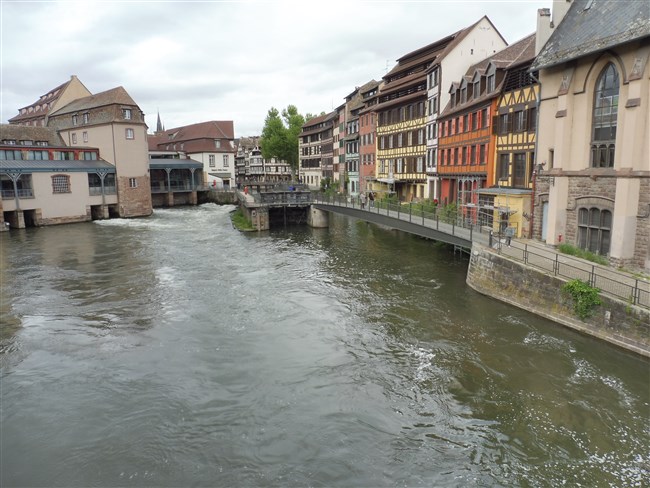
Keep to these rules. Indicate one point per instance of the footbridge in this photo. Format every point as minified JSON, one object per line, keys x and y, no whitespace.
{"x":408,"y":218}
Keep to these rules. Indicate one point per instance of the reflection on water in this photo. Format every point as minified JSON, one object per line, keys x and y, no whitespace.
{"x":176,"y":351}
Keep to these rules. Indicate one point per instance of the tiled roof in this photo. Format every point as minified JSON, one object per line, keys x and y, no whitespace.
{"x":110,"y":97}
{"x":592,"y":26}
{"x":213,"y":129}
{"x":316,"y":120}
{"x":30,"y":133}
{"x":49,"y":98}
{"x":517,"y":54}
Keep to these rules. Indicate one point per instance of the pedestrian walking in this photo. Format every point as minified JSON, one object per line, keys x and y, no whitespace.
{"x":371,"y":199}
{"x":362,"y":199}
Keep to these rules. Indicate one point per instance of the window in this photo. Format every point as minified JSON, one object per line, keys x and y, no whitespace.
{"x":75,"y":119}
{"x":476,"y":90}
{"x":64,"y":155}
{"x":133,"y":183}
{"x":503,"y":169}
{"x":520,"y":170}
{"x":491,"y":83}
{"x":38,"y":155}
{"x":126,"y":113}
{"x":605,"y":112}
{"x":520,"y":121}
{"x":86,"y":118}
{"x":130,"y":134}
{"x":211,"y":160}
{"x":74,"y":138}
{"x":217,"y":143}
{"x":484,"y":118}
{"x":225,"y":160}
{"x":472,"y":157}
{"x":503,"y":124}
{"x":466,"y":123}
{"x":475,"y":121}
{"x":532,"y":119}
{"x":85,"y":136}
{"x":482,"y":154}
{"x":90,"y":156}
{"x":594,"y":230}
{"x":60,"y":184}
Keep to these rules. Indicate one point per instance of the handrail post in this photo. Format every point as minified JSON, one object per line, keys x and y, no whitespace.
{"x":592,"y":277}
{"x":636,"y":294}
{"x":453,"y":227}
{"x":437,"y":222}
{"x":525,"y":253}
{"x":423,"y":215}
{"x":398,"y":208}
{"x":471,"y":232}
{"x":410,"y":210}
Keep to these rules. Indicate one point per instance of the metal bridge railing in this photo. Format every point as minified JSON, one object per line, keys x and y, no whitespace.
{"x":632,"y":289}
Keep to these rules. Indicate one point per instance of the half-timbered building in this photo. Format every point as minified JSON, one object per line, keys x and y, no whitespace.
{"x":506,"y":201}
{"x":467,"y":138}
{"x":316,"y":150}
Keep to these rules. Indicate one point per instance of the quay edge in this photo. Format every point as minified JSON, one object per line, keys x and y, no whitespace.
{"x":534,"y":290}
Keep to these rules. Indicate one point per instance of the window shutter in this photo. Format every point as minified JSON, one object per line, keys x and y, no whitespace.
{"x":495,"y":125}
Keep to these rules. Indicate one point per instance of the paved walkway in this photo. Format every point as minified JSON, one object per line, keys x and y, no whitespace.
{"x":620,"y":284}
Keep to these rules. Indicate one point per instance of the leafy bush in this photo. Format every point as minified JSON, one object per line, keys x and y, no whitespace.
{"x":449,"y":213}
{"x":585,"y":297}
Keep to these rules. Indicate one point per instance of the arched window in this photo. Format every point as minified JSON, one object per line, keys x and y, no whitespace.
{"x":594,"y":230}
{"x":603,"y":134}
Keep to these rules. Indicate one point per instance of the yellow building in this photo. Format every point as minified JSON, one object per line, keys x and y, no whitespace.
{"x":506,"y":203}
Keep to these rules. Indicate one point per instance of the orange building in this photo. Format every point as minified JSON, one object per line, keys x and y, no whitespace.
{"x":467,"y":129}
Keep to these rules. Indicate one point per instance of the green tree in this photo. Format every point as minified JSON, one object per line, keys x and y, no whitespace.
{"x":280,"y":135}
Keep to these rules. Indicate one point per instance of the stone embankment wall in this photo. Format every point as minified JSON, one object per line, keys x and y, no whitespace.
{"x":219,"y":197}
{"x":526,"y":287}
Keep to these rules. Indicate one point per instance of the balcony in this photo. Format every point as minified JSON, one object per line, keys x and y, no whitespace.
{"x":22,"y":193}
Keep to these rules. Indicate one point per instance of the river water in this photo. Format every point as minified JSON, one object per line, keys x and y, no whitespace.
{"x":177,"y":351}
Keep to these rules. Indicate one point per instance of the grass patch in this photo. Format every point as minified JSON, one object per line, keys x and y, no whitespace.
{"x":582,"y":254}
{"x":240,"y":221}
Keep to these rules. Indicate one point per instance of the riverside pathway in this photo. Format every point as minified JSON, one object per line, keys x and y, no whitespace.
{"x":634,"y":288}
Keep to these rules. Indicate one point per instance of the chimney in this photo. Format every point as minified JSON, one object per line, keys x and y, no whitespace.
{"x":547,"y":22}
{"x":544,"y":29}
{"x":560,"y":8}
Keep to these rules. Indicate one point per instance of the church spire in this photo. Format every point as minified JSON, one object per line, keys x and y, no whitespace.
{"x":159,"y":126}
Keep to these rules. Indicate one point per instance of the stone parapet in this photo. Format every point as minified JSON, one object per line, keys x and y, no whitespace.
{"x":531,"y":289}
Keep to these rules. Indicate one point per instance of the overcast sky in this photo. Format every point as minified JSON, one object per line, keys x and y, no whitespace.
{"x":194,"y":61}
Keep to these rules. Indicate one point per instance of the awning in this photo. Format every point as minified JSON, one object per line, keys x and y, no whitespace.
{"x":223,"y":176}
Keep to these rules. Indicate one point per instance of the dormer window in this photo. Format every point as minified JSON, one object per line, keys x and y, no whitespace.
{"x":86,"y":117}
{"x":217,"y":143}
{"x":463,"y":94}
{"x":126,"y":113}
{"x":491,"y":83}
{"x":75,"y":119}
{"x":476,"y":90}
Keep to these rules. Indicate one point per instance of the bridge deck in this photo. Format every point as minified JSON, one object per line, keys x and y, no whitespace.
{"x":419,"y":223}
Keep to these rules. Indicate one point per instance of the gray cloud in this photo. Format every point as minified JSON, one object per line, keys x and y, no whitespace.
{"x":195,"y":61}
